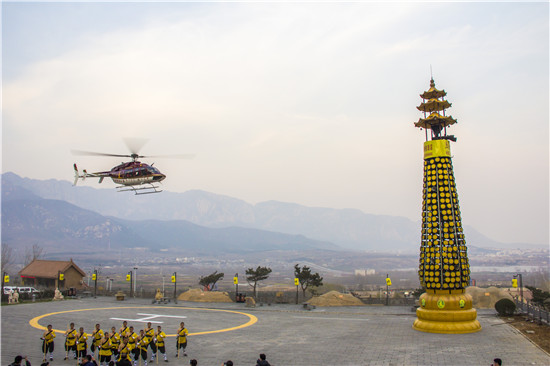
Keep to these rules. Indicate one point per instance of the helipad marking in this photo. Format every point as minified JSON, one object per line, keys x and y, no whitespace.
{"x":252,"y":319}
{"x":322,"y":318}
{"x":148,"y":318}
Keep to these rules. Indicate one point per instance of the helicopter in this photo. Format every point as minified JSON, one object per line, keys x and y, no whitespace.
{"x":141,"y":178}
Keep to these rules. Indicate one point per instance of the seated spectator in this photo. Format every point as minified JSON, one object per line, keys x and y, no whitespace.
{"x":89,"y":361}
{"x":18,"y":360}
{"x":262,"y":361}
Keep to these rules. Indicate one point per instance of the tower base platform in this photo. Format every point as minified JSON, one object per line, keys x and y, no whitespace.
{"x":446,"y":311}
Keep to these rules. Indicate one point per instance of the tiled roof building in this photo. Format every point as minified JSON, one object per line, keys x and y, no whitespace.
{"x":44,"y":273}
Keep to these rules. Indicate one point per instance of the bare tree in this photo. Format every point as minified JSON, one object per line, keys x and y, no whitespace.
{"x":34,"y":252}
{"x":7,"y":258}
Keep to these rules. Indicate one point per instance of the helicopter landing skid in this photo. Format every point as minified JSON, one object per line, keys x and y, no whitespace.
{"x":140,"y":190}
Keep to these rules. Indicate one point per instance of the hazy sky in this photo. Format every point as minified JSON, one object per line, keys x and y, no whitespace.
{"x":312,"y":103}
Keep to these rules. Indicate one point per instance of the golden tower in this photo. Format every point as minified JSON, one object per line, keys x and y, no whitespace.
{"x":443,"y":268}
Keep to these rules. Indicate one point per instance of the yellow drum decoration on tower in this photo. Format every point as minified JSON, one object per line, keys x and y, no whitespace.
{"x":444,"y":270}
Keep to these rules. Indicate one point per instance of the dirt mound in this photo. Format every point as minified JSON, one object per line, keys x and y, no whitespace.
{"x":335,"y":298}
{"x":485,"y":298}
{"x":197,"y":295}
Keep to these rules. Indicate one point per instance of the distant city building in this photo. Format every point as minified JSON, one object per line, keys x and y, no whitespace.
{"x":364,"y":272}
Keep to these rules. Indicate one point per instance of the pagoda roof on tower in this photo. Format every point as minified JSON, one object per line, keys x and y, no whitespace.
{"x":433,"y":92}
{"x":434,"y":105}
{"x":435,"y":119}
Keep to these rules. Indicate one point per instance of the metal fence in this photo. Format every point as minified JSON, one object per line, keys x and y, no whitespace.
{"x":536,"y":313}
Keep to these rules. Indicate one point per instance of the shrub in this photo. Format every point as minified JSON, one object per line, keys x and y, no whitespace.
{"x":505,"y":307}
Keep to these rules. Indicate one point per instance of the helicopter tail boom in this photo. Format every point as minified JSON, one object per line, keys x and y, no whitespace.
{"x":85,"y":174}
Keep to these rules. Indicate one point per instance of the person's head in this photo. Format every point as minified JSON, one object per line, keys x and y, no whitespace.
{"x":97,"y":326}
{"x":229,"y":363}
{"x":72,"y":325}
{"x":182,"y":324}
{"x":149,"y":325}
{"x":131,"y":329}
{"x":262,"y":356}
{"x":49,"y":327}
{"x":81,"y":329}
{"x":18,"y":359}
{"x":107,"y":334}
{"x":497,"y":362}
{"x":141,"y":332}
{"x":193,"y":362}
{"x":89,"y":357}
{"x":125,"y":323}
{"x":159,"y":328}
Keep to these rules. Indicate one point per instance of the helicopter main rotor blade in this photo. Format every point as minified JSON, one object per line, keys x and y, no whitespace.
{"x":134,"y":144}
{"x":173,"y":156}
{"x":91,"y":153}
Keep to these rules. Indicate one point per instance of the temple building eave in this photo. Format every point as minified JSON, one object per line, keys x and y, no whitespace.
{"x":434,"y":105}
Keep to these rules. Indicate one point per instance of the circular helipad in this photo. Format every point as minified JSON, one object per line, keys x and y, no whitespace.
{"x":169,"y":318}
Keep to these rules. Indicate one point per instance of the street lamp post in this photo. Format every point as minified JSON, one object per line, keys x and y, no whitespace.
{"x":236,"y":282}
{"x":129,"y":278}
{"x":5,"y":279}
{"x":135,"y":280}
{"x":520,"y":287}
{"x":94,"y":278}
{"x":175,"y":280}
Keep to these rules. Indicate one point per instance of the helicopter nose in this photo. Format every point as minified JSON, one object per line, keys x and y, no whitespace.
{"x":159,"y":177}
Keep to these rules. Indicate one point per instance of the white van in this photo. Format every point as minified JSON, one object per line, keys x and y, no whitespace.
{"x":27,"y":290}
{"x":7,"y":289}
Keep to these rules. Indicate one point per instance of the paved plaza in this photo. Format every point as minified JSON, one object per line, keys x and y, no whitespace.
{"x":288,"y":334}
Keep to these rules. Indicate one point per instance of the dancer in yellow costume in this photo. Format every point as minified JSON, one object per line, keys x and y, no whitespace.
{"x":159,"y":337}
{"x":141,"y":348}
{"x":47,"y":344}
{"x":124,"y":350}
{"x":124,"y":330}
{"x":96,"y":338}
{"x":115,"y":342}
{"x":150,"y":334}
{"x":105,"y":351}
{"x":182,"y":339}
{"x":70,"y":341}
{"x":82,"y":345}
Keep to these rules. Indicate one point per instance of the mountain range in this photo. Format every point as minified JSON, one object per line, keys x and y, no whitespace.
{"x":55,"y":212}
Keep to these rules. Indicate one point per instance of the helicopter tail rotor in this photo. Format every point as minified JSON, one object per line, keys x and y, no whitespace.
{"x":76,"y":175}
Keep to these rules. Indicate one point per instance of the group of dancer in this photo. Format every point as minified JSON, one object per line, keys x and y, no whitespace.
{"x":113,"y":345}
